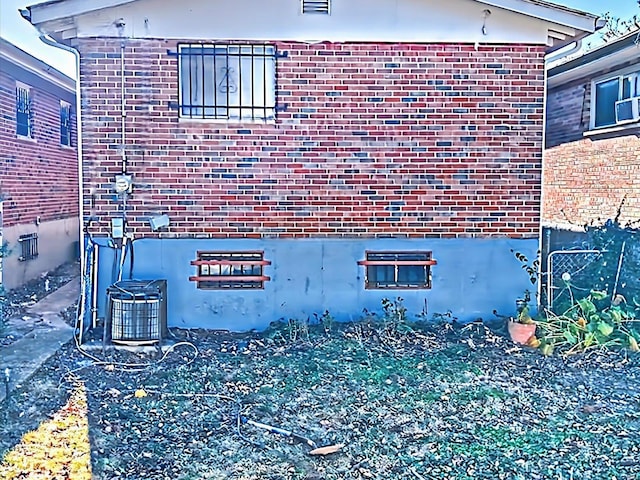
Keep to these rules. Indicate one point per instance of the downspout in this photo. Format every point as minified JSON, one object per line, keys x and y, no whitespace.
{"x":45,"y":39}
{"x":49,"y":41}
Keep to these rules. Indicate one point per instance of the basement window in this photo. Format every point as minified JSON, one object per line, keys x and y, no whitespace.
{"x":227,"y":82}
{"x":230,"y":270}
{"x":24,"y":112}
{"x":28,"y":247}
{"x":398,"y":270}
{"x":65,"y":123}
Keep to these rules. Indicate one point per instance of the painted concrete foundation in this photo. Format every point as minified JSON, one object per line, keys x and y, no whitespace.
{"x":57,"y":244}
{"x":472,"y":278}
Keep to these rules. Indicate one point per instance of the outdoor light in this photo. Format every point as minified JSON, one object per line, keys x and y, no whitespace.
{"x":159,"y":221}
{"x":486,"y":14}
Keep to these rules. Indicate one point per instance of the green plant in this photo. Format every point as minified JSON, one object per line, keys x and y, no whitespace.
{"x":298,"y":329}
{"x":592,"y":322}
{"x":523,"y":309}
{"x":326,"y":321}
{"x":532,"y":268}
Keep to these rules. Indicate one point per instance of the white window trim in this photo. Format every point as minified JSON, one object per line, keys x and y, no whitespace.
{"x":609,"y":76}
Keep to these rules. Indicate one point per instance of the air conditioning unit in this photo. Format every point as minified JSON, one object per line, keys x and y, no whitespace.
{"x":136,"y":312}
{"x":628,"y":110}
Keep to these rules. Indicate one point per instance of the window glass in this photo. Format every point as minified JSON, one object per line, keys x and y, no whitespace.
{"x":606,"y":97}
{"x":24,"y":126}
{"x":233,"y":82}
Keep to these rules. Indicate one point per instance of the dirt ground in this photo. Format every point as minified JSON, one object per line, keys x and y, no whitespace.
{"x":16,"y":301}
{"x":435,"y":401}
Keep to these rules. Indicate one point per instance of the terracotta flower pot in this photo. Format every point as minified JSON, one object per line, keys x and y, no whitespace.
{"x":521,"y":332}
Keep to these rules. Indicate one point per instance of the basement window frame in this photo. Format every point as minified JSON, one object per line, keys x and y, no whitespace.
{"x":65,"y":124}
{"x":230,"y":270}
{"x":28,"y":246}
{"x":630,"y":74}
{"x":24,"y":111}
{"x":396,"y":270}
{"x":227,"y":102}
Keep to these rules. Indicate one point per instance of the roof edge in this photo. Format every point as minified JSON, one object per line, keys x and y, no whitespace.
{"x":630,"y":40}
{"x":17,"y":56}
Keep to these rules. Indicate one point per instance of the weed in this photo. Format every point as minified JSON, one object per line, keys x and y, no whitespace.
{"x":298,"y":330}
{"x":326,"y":321}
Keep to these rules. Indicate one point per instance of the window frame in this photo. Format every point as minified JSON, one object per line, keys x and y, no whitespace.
{"x":630,"y":71}
{"x":373,"y":259}
{"x":28,"y":246}
{"x":227,"y":277}
{"x":269,"y":55}
{"x":29,"y":112}
{"x":65,"y":105}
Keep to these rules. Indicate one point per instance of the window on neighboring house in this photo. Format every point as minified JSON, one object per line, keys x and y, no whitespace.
{"x":410,"y":269}
{"x":228,"y":82}
{"x":65,"y":123}
{"x":230,"y":270}
{"x":616,"y":99}
{"x":24,"y":112}
{"x":28,"y":246}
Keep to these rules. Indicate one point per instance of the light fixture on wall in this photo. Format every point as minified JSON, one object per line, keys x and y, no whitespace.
{"x":486,"y":14}
{"x":159,"y":221}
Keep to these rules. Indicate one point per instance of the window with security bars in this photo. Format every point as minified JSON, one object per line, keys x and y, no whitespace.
{"x":65,"y":124}
{"x":24,"y":113}
{"x":28,"y":246}
{"x":230,"y":270}
{"x":398,"y":270}
{"x":227,"y":82}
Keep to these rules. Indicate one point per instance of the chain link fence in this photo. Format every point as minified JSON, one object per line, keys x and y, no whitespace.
{"x":605,"y":258}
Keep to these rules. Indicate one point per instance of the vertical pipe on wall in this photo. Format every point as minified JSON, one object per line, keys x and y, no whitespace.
{"x":94,"y":285}
{"x":45,"y":39}
{"x":123,"y":112}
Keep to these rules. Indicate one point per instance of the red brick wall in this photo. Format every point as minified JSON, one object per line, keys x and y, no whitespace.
{"x":39,"y":177}
{"x":586,"y":179}
{"x":376,"y":140}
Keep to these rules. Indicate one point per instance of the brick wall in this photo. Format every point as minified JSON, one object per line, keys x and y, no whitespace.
{"x":376,"y":140}
{"x":586,"y":179}
{"x":567,"y":114}
{"x":39,"y":177}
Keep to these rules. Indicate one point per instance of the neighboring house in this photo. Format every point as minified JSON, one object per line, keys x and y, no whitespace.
{"x":279,"y":158}
{"x":39,"y":212}
{"x":592,"y":156}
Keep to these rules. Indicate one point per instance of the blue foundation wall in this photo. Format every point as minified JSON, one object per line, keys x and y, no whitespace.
{"x":472,"y":278}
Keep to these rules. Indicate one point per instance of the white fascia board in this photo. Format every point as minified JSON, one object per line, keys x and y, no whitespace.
{"x":24,"y":60}
{"x":57,"y":9}
{"x":592,"y":69}
{"x":584,"y":21}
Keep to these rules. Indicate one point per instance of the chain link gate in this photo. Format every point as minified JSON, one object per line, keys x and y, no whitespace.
{"x":569,"y":267}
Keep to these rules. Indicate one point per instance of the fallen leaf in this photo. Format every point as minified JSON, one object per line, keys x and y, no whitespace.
{"x":327,"y":450}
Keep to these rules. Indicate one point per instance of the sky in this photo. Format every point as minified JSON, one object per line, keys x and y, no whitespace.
{"x":19,"y":32}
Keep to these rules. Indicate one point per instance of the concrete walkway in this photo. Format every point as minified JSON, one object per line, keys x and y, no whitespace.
{"x":46,"y":332}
